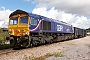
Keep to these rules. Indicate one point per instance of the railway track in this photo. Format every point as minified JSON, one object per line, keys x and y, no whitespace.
{"x":6,"y":51}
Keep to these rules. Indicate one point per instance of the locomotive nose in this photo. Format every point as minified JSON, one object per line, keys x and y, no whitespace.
{"x":19,"y":31}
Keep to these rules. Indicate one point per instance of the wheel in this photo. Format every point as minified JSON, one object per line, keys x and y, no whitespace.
{"x":25,"y":43}
{"x":12,"y":42}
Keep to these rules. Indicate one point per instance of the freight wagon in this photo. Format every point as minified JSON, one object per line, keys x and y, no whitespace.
{"x":78,"y":32}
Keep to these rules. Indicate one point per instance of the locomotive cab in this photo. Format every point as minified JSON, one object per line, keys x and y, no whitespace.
{"x":19,"y":25}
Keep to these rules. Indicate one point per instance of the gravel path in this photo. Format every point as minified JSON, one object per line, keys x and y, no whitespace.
{"x":77,"y":49}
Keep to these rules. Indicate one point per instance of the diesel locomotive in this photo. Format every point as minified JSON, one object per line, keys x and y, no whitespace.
{"x":28,"y":29}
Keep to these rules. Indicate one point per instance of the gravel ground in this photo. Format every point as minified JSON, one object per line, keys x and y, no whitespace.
{"x":77,"y":49}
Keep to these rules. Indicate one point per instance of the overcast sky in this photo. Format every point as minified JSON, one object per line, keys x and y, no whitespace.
{"x":74,"y":12}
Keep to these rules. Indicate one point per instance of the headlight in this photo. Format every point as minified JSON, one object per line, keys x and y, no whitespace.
{"x":26,"y":33}
{"x":10,"y":32}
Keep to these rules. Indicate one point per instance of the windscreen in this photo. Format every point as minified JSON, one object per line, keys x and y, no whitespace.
{"x":24,"y":20}
{"x":13,"y":21}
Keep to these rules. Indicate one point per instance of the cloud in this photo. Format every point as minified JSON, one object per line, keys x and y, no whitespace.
{"x":74,"y":12}
{"x":2,"y":8}
{"x":81,"y":21}
{"x":4,"y":14}
{"x":81,"y":7}
{"x":73,"y":19}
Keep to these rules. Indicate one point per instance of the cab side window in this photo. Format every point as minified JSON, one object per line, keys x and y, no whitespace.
{"x":33,"y":21}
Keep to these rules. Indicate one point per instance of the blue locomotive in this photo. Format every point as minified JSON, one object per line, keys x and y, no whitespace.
{"x":27,"y":29}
